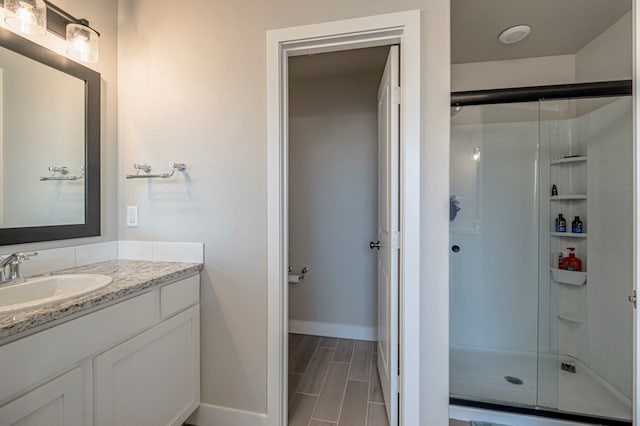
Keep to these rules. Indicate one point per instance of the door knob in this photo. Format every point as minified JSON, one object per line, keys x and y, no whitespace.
{"x":373,"y":245}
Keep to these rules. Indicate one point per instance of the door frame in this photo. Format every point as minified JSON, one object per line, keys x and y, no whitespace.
{"x":401,"y":28}
{"x":635,"y":10}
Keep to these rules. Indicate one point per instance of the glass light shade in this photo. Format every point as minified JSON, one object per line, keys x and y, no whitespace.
{"x":476,"y":153}
{"x":83,"y":43}
{"x":26,"y":16}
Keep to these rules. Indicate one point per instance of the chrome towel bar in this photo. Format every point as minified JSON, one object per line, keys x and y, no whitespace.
{"x":181,"y":167}
{"x":60,"y":173}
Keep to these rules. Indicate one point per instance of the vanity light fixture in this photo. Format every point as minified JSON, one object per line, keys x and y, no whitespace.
{"x":36,"y":17}
{"x":26,"y":16}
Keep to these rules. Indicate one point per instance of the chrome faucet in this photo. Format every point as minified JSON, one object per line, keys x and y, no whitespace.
{"x":11,"y":267}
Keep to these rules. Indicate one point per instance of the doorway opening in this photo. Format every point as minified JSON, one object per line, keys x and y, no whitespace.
{"x":342,"y":163}
{"x":402,"y":29}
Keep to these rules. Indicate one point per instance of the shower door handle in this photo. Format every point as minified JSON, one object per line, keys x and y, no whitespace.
{"x":373,"y":245}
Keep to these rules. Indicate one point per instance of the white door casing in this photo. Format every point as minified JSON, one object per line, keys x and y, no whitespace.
{"x":636,"y":210}
{"x":401,"y":28}
{"x":388,"y":232}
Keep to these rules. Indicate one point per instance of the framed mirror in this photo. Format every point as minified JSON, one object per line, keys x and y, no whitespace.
{"x":49,"y":144}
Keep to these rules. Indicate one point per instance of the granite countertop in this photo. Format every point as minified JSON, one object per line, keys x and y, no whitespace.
{"x":129,"y":277}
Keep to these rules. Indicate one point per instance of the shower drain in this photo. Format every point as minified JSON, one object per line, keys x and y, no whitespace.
{"x":513,"y":380}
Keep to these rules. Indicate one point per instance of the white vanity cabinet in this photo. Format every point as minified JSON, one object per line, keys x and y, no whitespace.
{"x":151,"y":379}
{"x":136,"y":362}
{"x":56,"y":403}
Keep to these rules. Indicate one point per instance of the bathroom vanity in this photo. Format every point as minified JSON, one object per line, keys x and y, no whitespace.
{"x":127,"y":354}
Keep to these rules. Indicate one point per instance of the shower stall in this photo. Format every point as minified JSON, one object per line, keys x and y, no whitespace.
{"x":532,"y":332}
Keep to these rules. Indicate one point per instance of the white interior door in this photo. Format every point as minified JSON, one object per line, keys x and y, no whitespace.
{"x":388,"y":226}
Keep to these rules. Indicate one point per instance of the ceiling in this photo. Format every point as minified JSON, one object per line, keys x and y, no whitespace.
{"x":335,"y":64}
{"x":559,"y":27}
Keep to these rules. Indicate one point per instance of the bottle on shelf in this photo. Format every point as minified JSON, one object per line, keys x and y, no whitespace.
{"x":561,"y":224}
{"x":571,"y":262}
{"x":576,"y":225}
{"x":554,"y":190}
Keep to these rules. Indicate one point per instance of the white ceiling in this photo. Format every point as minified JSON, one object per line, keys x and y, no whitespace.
{"x":559,"y":27}
{"x":335,"y":64}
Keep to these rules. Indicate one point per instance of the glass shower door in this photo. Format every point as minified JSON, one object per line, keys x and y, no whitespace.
{"x":585,"y":325}
{"x":494,"y":253}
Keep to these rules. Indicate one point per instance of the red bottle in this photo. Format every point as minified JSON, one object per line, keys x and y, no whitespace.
{"x":571,"y":262}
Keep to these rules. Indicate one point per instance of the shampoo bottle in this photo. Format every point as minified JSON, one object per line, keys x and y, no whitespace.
{"x":561,"y":224}
{"x":571,"y":262}
{"x":576,"y":225}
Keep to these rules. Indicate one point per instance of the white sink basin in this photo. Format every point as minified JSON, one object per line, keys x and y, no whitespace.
{"x":48,"y":290}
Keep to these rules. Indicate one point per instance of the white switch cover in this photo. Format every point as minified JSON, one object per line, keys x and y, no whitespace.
{"x":132,"y":216}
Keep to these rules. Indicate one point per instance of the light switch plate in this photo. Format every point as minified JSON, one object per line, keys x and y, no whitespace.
{"x":132,"y":216}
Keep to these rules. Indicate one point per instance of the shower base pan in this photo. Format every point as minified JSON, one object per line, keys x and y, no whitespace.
{"x":508,"y":381}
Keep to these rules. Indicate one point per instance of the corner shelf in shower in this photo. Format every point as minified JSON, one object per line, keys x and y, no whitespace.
{"x":569,"y":160}
{"x":568,"y":197}
{"x":562,"y":276}
{"x":571,"y":317}
{"x":569,"y":234}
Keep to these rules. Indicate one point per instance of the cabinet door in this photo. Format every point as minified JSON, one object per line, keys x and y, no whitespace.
{"x":58,"y":402}
{"x":153,"y":378}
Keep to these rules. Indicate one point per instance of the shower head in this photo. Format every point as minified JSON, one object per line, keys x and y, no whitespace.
{"x":455,"y":110}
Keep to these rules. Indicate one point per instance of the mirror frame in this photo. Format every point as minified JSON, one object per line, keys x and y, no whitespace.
{"x":91,"y":226}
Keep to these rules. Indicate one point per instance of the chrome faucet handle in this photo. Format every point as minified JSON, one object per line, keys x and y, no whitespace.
{"x":16,"y":267}
{"x":14,"y":263}
{"x":18,"y":264}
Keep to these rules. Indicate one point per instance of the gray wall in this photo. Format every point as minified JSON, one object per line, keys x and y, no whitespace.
{"x":333,"y":164}
{"x":193,"y":89}
{"x":608,"y":56}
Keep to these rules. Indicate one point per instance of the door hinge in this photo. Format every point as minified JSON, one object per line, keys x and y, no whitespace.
{"x":395,"y":239}
{"x":396,"y":95}
{"x":634,"y":299}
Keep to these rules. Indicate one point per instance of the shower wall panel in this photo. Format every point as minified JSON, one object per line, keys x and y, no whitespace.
{"x":608,"y":344}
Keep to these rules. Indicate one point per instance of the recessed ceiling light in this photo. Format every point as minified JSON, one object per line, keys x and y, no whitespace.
{"x":514,"y":34}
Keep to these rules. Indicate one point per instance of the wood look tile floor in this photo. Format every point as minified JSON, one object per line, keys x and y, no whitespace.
{"x":334,"y":382}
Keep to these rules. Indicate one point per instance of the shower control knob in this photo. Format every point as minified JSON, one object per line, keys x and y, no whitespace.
{"x":373,"y":245}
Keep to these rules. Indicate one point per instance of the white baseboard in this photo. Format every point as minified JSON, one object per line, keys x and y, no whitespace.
{"x":328,"y":329}
{"x":214,"y":415}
